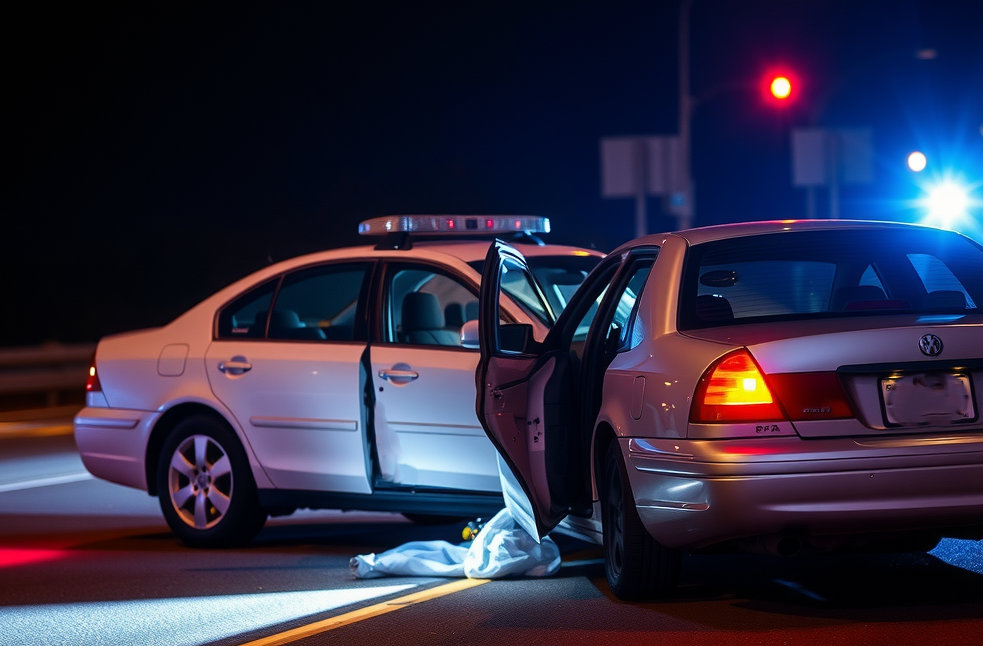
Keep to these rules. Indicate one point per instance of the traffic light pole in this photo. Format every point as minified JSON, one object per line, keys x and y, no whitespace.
{"x":684,"y":209}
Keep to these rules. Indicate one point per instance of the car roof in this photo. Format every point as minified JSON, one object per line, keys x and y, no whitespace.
{"x":724,"y":231}
{"x":464,"y":250}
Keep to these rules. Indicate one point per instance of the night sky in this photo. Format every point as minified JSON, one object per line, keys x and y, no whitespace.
{"x":157,"y":153}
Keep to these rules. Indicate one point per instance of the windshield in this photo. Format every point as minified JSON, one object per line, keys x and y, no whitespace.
{"x":558,"y":277}
{"x":826,"y":274}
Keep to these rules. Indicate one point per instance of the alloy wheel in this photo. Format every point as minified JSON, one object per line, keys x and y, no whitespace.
{"x":200,"y":482}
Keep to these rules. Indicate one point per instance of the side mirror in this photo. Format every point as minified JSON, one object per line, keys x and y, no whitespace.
{"x":469,"y":335}
{"x":515,"y":337}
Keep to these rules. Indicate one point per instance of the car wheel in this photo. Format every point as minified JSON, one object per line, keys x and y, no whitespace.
{"x":205,"y":487}
{"x":637,"y":566}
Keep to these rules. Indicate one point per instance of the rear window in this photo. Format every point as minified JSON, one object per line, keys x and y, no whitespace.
{"x":823,"y":274}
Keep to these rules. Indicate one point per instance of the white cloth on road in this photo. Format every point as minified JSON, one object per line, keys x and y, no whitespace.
{"x":501,"y":549}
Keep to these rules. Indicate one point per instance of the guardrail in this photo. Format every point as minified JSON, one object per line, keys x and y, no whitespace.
{"x":48,"y":372}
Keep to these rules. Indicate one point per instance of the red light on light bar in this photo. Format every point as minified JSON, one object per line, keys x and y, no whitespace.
{"x":450,"y":224}
{"x":518,"y":224}
{"x":489,"y":224}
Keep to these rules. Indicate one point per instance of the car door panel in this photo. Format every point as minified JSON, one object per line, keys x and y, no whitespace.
{"x":425,"y":427}
{"x":511,"y":403}
{"x":299,"y":407}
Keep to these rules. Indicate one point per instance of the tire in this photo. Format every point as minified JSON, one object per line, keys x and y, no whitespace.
{"x":637,"y":566}
{"x":205,"y":487}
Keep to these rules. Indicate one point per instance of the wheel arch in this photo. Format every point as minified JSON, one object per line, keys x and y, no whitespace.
{"x":170,"y":419}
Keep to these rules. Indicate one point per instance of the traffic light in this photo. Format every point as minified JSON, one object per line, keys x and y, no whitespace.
{"x":780,"y":87}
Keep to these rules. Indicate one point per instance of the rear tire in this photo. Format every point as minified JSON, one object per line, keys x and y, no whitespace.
{"x":637,"y":566}
{"x":205,"y":487}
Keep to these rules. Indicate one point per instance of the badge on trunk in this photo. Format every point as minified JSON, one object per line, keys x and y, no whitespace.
{"x":930,"y":345}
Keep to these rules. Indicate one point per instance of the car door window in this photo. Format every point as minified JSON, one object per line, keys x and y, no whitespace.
{"x":318,"y":304}
{"x":425,"y":306}
{"x":245,"y":317}
{"x":620,"y":331}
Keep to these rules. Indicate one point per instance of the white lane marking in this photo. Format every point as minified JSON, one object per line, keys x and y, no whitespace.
{"x":44,"y":482}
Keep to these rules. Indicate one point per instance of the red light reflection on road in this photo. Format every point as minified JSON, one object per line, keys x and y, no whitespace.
{"x":11,"y":556}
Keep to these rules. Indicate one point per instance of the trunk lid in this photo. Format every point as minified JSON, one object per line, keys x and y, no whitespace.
{"x":900,"y":374}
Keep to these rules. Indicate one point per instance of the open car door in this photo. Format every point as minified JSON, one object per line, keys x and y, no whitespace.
{"x":523,"y":396}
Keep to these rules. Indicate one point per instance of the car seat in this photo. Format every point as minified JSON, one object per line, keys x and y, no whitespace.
{"x":423,"y":321}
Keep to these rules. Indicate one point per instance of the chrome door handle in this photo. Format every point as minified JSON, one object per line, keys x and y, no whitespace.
{"x":235,"y":366}
{"x":399,"y":376}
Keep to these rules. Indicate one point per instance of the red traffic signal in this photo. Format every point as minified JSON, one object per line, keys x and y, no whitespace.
{"x":780,"y":87}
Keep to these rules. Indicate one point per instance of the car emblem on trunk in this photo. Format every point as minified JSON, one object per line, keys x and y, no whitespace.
{"x":930,"y":345}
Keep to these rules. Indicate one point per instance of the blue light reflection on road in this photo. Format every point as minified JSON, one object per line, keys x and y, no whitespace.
{"x":961,"y":553}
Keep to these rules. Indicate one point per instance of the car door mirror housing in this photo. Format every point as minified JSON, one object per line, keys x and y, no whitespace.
{"x":515,"y":337}
{"x":469,"y":335}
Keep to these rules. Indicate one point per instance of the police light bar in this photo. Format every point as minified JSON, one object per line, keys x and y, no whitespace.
{"x":449,"y":224}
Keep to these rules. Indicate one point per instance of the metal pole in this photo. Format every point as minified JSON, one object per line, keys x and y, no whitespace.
{"x":641,"y":187}
{"x":684,"y":215}
{"x":833,"y":156}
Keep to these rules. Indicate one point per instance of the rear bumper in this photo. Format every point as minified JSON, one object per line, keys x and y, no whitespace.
{"x":692,"y":495}
{"x":113,"y":443}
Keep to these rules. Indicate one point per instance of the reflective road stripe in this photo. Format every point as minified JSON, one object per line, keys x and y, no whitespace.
{"x":366,"y":613}
{"x":44,"y":482}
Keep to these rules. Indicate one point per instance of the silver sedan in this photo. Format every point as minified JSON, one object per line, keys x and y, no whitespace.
{"x":772,"y":386}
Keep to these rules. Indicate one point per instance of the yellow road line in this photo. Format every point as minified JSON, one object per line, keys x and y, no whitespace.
{"x":366,"y":613}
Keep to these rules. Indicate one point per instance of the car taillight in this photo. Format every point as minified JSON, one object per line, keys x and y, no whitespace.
{"x":92,"y":384}
{"x":733,"y":389}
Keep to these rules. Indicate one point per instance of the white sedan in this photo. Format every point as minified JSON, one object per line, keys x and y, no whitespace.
{"x":772,"y":386}
{"x":333,"y":380}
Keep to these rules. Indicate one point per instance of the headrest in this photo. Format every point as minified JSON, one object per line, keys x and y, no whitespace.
{"x":454,"y":314}
{"x":421,"y":311}
{"x":284,"y":320}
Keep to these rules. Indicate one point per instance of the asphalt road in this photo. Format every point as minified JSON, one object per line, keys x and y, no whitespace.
{"x":87,"y":562}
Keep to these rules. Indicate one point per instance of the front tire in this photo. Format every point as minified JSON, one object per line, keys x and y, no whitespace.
{"x":205,"y":487}
{"x":637,"y":566}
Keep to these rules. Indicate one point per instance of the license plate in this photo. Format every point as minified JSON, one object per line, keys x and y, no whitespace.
{"x":927,"y":399}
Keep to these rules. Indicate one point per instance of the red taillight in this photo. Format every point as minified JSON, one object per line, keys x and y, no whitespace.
{"x":92,"y":384}
{"x":734,"y":390}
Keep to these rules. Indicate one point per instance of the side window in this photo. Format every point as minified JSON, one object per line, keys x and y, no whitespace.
{"x":318,"y":304}
{"x":424,"y":306}
{"x":519,"y":285}
{"x":871,"y":279}
{"x":245,"y":317}
{"x":622,"y":333}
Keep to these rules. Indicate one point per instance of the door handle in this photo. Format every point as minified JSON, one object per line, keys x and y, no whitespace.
{"x":235,"y":366}
{"x":398,"y":376}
